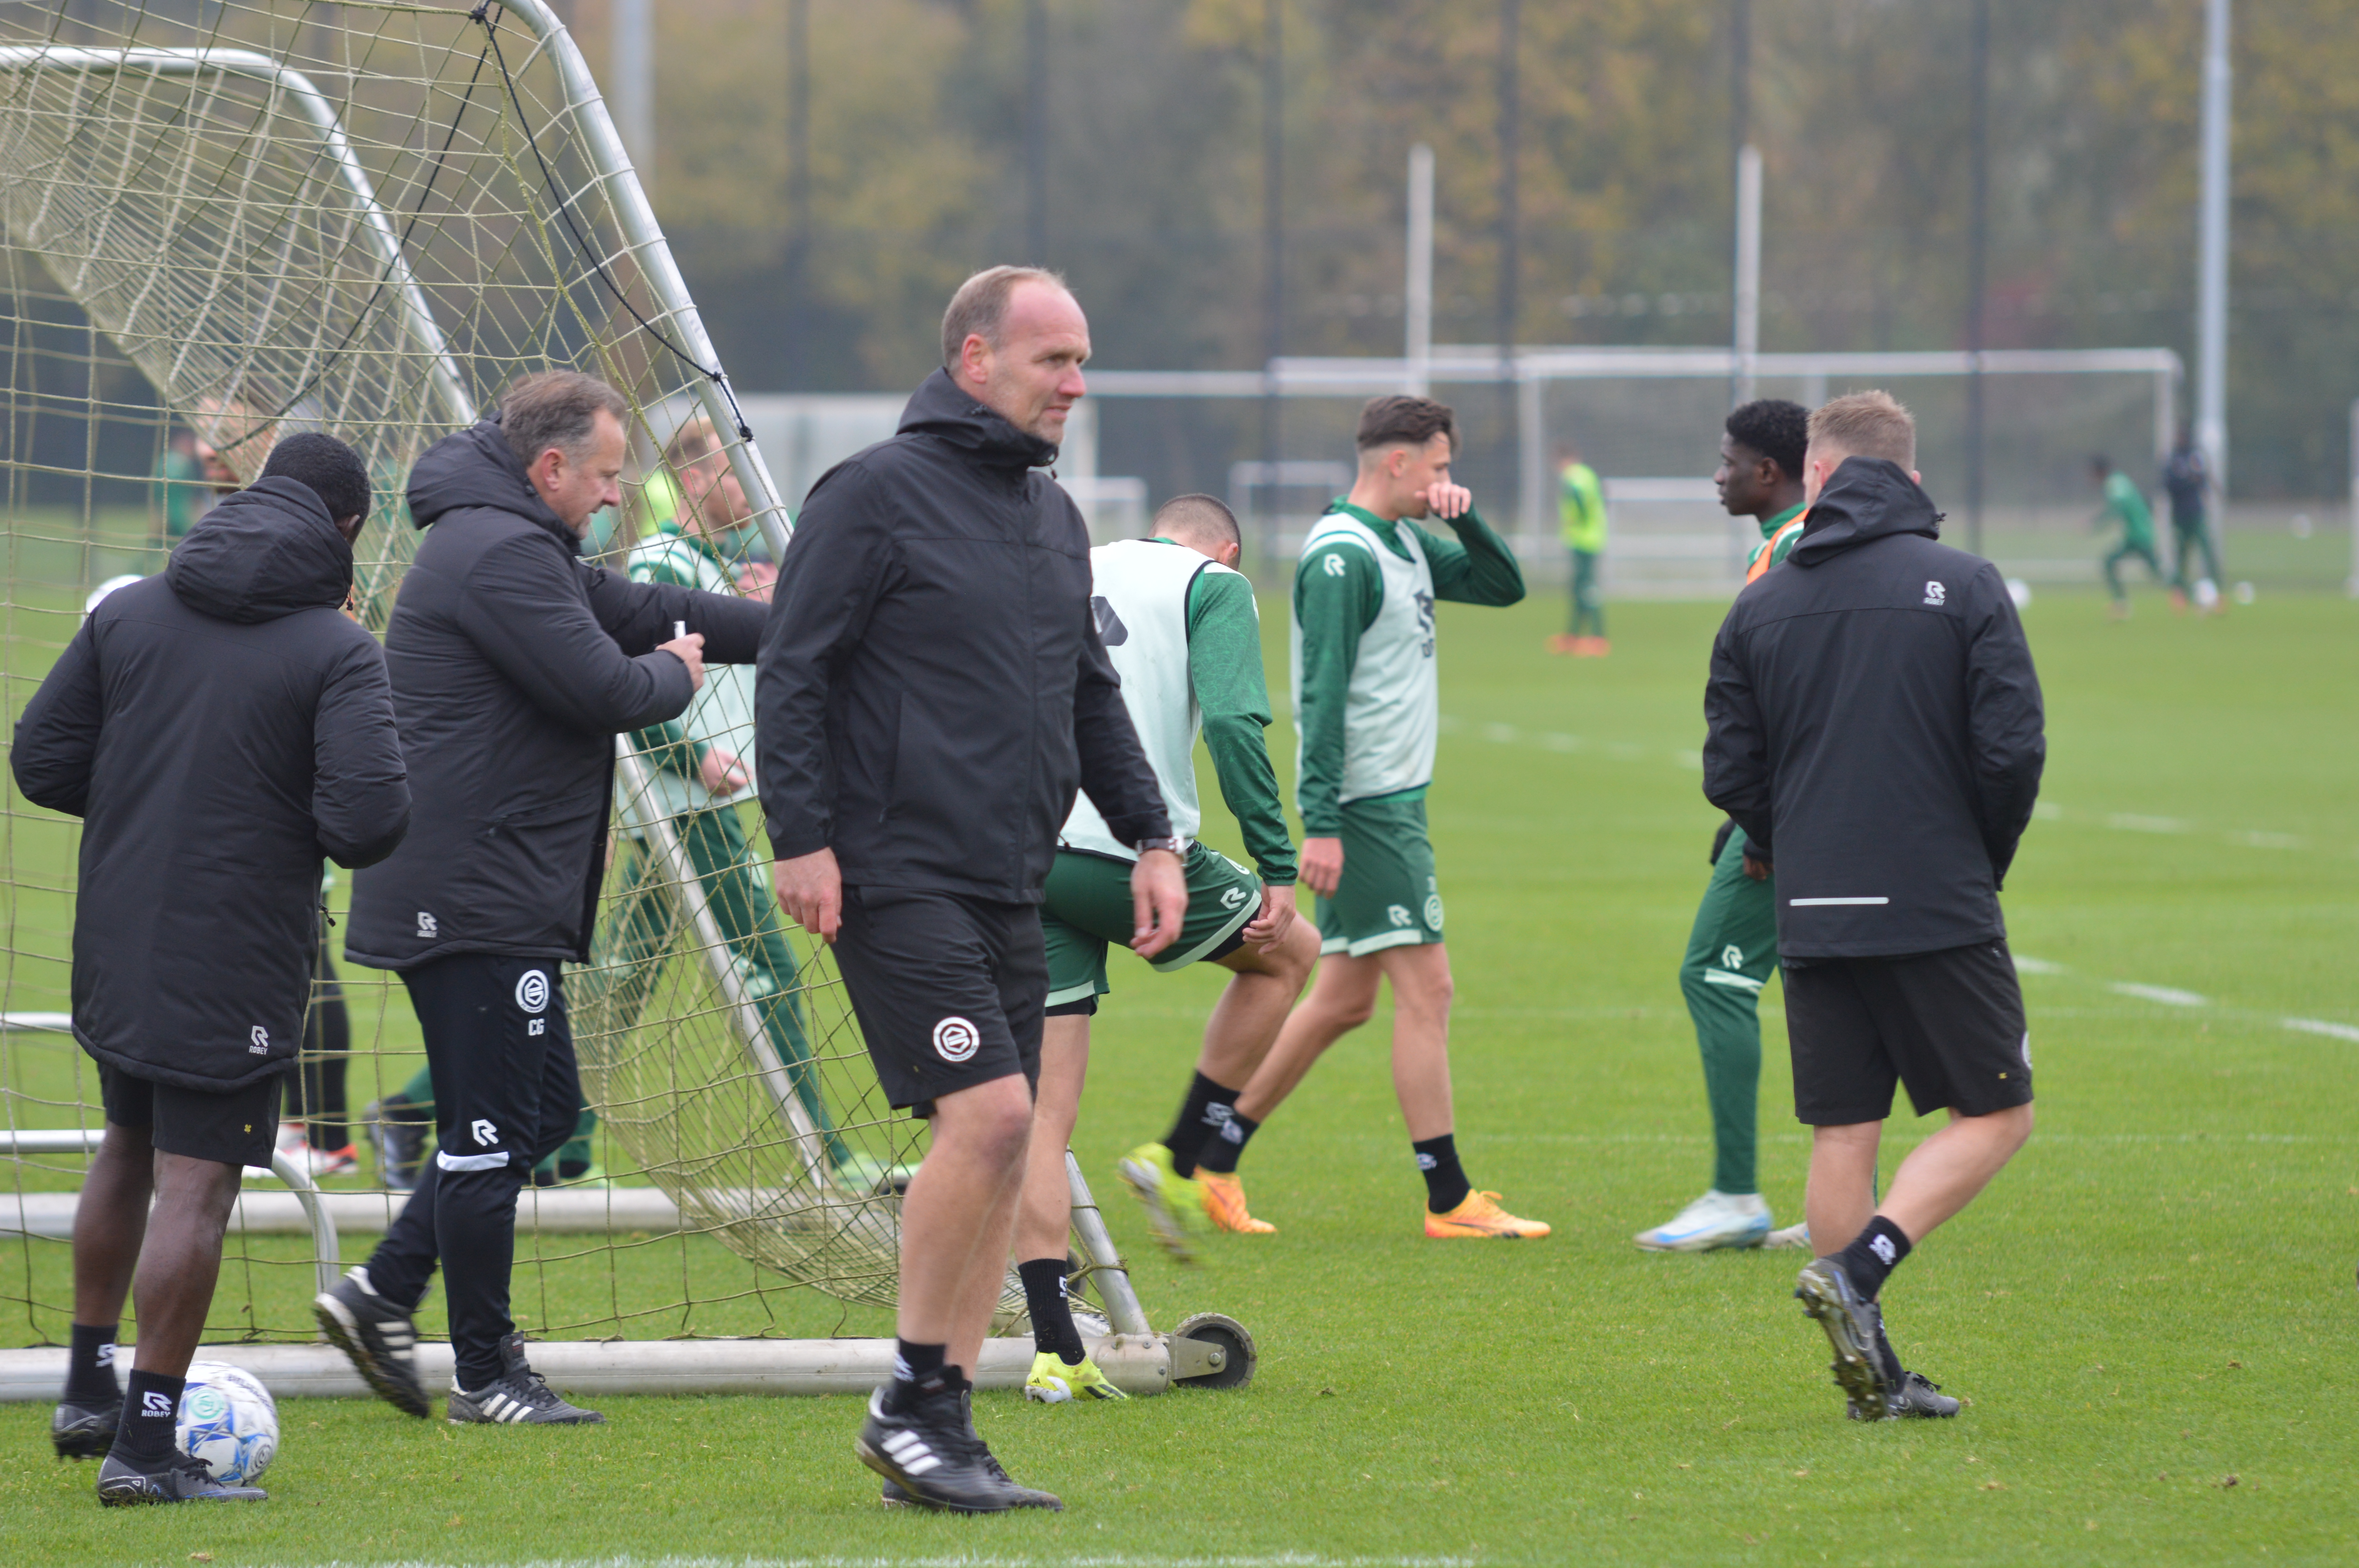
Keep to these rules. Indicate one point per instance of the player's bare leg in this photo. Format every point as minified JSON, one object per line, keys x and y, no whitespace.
{"x":1238,"y":1038}
{"x":110,"y":1222}
{"x":1045,"y":1217}
{"x":1342,"y":998}
{"x":959,"y":1215}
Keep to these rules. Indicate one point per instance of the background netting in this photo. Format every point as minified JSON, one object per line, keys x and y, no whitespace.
{"x":203,"y":251}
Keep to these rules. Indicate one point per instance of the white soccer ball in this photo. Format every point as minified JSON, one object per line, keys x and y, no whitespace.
{"x":2020,"y":591}
{"x":2207,"y":594}
{"x":229,"y":1421}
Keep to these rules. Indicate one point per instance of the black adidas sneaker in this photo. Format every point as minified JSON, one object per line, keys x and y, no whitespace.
{"x":379,"y":1339}
{"x":518,"y":1397}
{"x":183,"y":1479}
{"x":894,"y":1497}
{"x":931,"y":1454}
{"x":85,"y":1432}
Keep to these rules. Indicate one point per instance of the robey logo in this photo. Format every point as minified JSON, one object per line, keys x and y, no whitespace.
{"x":1232,"y":898}
{"x":485,"y":1133}
{"x":955,"y":1039}
{"x":158,"y":1405}
{"x":261,"y":1038}
{"x":1935,"y":594}
{"x":428,"y":925}
{"x":1731,"y":956}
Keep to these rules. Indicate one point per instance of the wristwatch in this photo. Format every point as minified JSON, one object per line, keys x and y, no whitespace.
{"x":1174,"y":845}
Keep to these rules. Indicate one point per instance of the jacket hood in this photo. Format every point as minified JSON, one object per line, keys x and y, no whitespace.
{"x":264,"y":552}
{"x":1868,"y":498}
{"x":475,"y":467}
{"x":939,"y":408}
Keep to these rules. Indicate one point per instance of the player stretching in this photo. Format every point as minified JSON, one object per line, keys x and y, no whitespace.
{"x":1183,"y":634}
{"x":1875,"y":730}
{"x":1734,"y":948}
{"x":1368,"y":710}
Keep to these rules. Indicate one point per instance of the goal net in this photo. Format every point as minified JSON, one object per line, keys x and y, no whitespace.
{"x":221,"y":224}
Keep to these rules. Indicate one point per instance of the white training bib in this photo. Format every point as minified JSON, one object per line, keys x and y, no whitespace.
{"x":1392,"y":716}
{"x":1139,"y":594}
{"x":721,"y":712}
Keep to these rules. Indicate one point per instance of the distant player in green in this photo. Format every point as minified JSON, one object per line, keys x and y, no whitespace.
{"x":1581,"y":512}
{"x":1180,"y":624}
{"x":183,"y":493}
{"x":1368,"y":710}
{"x":700,"y":766}
{"x":1732,"y":950}
{"x":2125,"y":506}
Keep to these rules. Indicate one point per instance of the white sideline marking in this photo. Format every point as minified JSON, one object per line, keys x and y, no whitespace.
{"x":2030,"y":966}
{"x":2319,"y":1026}
{"x":2129,"y":823}
{"x":961,"y":1560}
{"x":1506,"y":734}
{"x":2170,"y":996}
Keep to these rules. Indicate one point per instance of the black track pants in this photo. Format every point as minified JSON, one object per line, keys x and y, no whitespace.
{"x":505,"y":1094}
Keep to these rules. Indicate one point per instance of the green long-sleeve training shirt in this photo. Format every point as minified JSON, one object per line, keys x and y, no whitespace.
{"x":1233,"y":697}
{"x":2129,"y":509}
{"x":1336,"y":604}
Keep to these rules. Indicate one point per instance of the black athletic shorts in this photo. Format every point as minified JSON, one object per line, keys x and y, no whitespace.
{"x":507,"y":1091}
{"x":949,"y":989}
{"x":1948,"y":1024}
{"x":238,"y":1127}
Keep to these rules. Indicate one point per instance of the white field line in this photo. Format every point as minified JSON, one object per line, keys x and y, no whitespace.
{"x":2172,"y":996}
{"x":958,"y":1559}
{"x":1692,"y":762}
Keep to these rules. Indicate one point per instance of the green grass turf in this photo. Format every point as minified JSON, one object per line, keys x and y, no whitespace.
{"x":2151,"y":1310}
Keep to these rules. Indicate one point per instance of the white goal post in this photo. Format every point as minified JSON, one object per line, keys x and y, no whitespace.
{"x":236,"y":232}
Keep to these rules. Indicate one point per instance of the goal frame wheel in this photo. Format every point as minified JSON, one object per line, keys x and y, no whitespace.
{"x":1228,"y":1352}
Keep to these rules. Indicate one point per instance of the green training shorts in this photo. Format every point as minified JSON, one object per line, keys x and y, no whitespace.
{"x":1388,"y":897}
{"x":1087,"y":906}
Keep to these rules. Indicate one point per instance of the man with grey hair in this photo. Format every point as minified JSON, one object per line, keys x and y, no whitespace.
{"x":932,"y":693}
{"x":515,"y":663}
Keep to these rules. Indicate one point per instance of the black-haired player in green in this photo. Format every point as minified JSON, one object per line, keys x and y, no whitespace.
{"x":1734,"y":948}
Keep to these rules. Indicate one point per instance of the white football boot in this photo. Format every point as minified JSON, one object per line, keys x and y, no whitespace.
{"x":1715,"y":1220}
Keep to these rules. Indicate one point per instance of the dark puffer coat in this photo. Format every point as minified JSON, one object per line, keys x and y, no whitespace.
{"x":218,"y":729}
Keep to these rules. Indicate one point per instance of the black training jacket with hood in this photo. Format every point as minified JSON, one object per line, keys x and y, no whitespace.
{"x":514,"y":663}
{"x":218,"y":729}
{"x":932,"y":687}
{"x":1875,"y":727}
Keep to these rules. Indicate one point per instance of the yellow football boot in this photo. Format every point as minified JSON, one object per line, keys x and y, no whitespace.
{"x":1054,"y":1382}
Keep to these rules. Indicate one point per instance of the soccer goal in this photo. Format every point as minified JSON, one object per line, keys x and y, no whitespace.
{"x":223,"y":222}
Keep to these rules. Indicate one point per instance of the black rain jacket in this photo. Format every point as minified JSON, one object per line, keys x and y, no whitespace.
{"x":932,"y":688}
{"x":218,"y":729}
{"x":514,"y":663}
{"x":1875,"y":727}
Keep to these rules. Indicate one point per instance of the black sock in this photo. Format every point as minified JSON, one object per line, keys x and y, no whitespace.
{"x":1052,"y":1318}
{"x":1446,"y":1185}
{"x":1872,"y":1254}
{"x":90,"y":1365}
{"x":151,"y":1410}
{"x":918,"y":1370}
{"x":1218,"y":1154}
{"x":1207,"y":1106}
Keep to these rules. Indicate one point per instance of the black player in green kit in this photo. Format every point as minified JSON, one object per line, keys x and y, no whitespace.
{"x":1732,"y":950}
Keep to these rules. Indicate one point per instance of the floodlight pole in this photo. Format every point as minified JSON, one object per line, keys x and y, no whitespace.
{"x":1748,"y":271}
{"x":2212,"y":283}
{"x":1418,"y":296}
{"x":2352,"y":586}
{"x":1977,"y":271}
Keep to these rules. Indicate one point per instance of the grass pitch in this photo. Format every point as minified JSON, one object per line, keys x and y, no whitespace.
{"x":2151,"y":1310}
